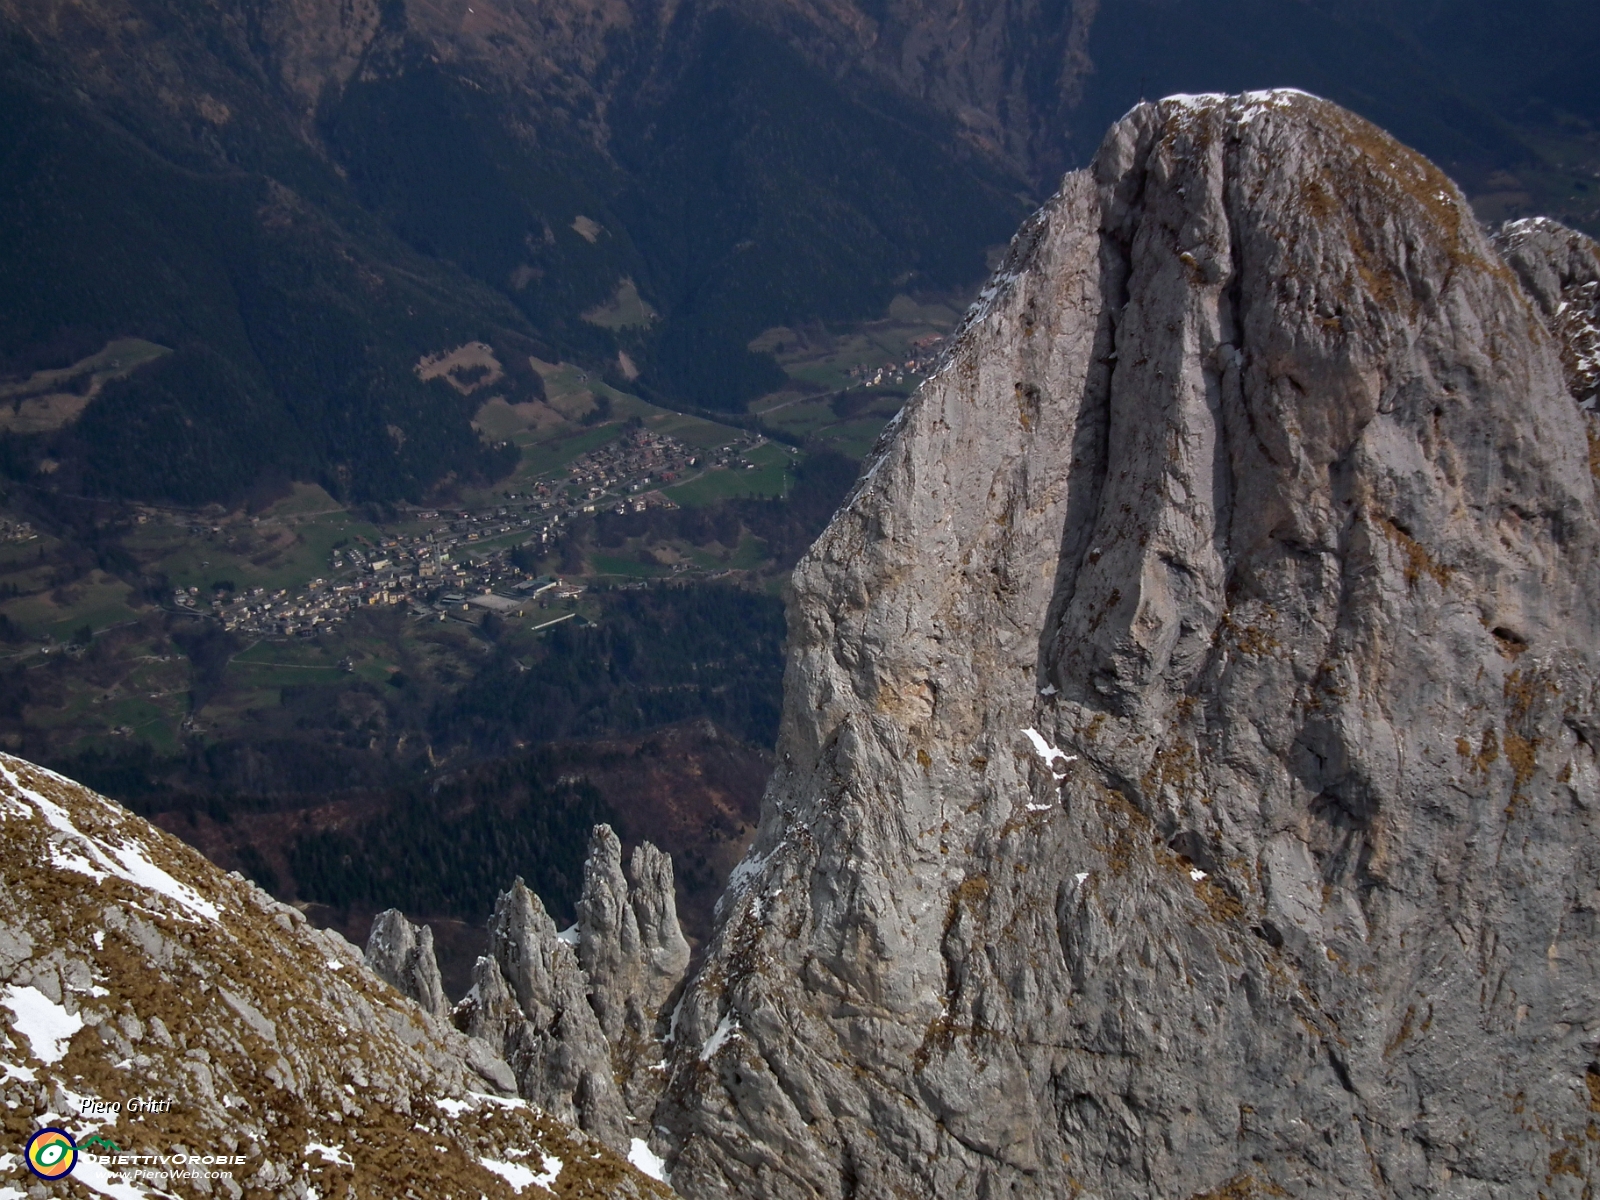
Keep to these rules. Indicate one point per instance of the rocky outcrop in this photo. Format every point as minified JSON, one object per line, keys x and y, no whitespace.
{"x":579,"y":1014}
{"x":529,"y":1000}
{"x":664,"y":951}
{"x":607,"y":932}
{"x":402,"y":954}
{"x":1560,"y":270}
{"x":131,"y":969}
{"x":1187,"y":782}
{"x":634,"y":955}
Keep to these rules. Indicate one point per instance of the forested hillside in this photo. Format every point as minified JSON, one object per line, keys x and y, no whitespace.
{"x":302,"y":209}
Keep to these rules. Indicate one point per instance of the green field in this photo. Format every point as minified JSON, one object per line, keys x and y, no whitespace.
{"x":552,"y":443}
{"x":821,"y":355}
{"x":279,"y":675}
{"x":98,"y":601}
{"x":824,"y":404}
{"x":769,"y":477}
{"x":285,"y":547}
{"x":750,"y":554}
{"x":626,"y":309}
{"x":627,"y":567}
{"x":541,"y":459}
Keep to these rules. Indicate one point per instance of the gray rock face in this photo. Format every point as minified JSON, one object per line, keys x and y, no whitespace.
{"x":529,"y":1001}
{"x":608,"y":932}
{"x":1560,"y":269}
{"x":402,"y":954}
{"x":578,"y":1015}
{"x":664,"y":951}
{"x":1187,"y":783}
{"x":634,"y":954}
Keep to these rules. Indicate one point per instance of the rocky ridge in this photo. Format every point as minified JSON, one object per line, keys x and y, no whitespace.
{"x":130,"y":968}
{"x":1560,"y":270}
{"x":1187,"y":779}
{"x":580,"y":1015}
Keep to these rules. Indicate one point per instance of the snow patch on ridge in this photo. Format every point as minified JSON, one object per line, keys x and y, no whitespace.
{"x":517,"y":1175}
{"x":47,"y":1026}
{"x":551,"y":1172}
{"x":1249,"y":105}
{"x":85,"y":855}
{"x":333,"y":1154}
{"x":502,"y":1101}
{"x":521,"y":1177}
{"x":647,"y":1160}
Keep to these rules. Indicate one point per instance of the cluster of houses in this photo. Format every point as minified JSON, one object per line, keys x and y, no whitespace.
{"x":637,"y":461}
{"x":16,"y":531}
{"x":489,"y":584}
{"x":461,"y":567}
{"x":440,"y":574}
{"x":924,"y":357}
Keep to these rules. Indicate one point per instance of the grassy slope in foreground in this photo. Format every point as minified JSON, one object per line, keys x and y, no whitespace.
{"x":121,"y":946}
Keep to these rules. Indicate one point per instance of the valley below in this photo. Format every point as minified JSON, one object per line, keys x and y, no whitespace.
{"x":300,"y":686}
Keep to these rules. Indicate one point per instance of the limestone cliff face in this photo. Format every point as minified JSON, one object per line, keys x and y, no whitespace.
{"x":1187,"y":781}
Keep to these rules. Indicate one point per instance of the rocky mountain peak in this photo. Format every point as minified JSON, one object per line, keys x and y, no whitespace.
{"x":402,"y":955}
{"x":1188,"y":745}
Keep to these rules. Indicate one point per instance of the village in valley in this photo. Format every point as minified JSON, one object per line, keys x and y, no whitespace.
{"x":460,"y":564}
{"x":463,"y":563}
{"x":137,"y":623}
{"x":926,"y":351}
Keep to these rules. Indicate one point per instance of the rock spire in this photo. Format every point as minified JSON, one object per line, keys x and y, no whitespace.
{"x":579,"y":1014}
{"x":402,"y":954}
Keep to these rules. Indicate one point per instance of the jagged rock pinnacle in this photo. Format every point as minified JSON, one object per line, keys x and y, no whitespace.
{"x":402,"y":954}
{"x":529,"y":1000}
{"x":579,"y":1015}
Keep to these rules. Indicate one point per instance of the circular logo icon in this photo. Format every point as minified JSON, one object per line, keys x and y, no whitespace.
{"x":52,"y":1154}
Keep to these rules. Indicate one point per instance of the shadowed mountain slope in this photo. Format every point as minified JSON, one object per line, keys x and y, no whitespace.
{"x":301,"y":201}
